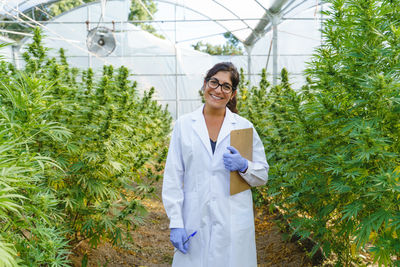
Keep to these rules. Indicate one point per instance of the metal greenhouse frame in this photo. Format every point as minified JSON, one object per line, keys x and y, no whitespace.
{"x":266,"y":36}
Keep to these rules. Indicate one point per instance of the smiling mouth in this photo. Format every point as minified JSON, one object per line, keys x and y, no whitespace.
{"x":216,"y":97}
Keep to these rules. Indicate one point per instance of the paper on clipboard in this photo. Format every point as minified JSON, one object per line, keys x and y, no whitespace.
{"x":242,"y":140}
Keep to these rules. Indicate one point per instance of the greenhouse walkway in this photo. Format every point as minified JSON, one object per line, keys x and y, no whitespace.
{"x":151,"y":245}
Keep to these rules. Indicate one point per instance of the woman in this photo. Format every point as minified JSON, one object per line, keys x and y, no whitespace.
{"x":196,"y":180}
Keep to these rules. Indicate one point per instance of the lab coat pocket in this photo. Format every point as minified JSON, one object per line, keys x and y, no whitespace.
{"x":242,"y":210}
{"x":190,"y":210}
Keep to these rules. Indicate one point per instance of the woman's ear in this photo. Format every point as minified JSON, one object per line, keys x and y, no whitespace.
{"x":233,"y":94}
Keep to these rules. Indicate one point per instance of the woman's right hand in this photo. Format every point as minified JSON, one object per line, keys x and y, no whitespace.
{"x":178,"y":237}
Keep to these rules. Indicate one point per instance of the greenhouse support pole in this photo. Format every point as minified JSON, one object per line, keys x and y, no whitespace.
{"x":122,"y":39}
{"x":89,"y":55}
{"x":248,"y":51}
{"x":275,"y":21}
{"x":322,"y":22}
{"x":176,"y":71}
{"x":14,"y":53}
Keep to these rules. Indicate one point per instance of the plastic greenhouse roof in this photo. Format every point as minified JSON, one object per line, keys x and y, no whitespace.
{"x":247,"y":20}
{"x":179,"y":69}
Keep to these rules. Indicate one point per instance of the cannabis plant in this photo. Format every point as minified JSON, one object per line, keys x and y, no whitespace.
{"x":334,"y":145}
{"x":115,"y":153}
{"x":80,"y":154}
{"x":30,"y":218}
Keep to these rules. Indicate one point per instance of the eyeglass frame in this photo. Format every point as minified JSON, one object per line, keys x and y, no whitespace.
{"x":219,"y":84}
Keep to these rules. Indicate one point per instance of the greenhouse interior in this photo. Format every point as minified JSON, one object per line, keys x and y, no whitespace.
{"x":96,"y":96}
{"x":175,"y":77}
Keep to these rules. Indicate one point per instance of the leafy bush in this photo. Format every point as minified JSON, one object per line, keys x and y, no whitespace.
{"x":32,"y":213}
{"x":79,"y":156}
{"x":333,"y":146}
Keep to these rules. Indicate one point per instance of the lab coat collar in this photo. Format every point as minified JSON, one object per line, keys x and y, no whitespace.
{"x":200,"y":127}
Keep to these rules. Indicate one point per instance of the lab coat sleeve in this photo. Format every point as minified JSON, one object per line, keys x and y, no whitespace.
{"x":257,"y":170}
{"x":172,"y":190}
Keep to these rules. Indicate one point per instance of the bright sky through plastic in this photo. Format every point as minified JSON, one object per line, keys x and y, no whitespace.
{"x":227,"y":12}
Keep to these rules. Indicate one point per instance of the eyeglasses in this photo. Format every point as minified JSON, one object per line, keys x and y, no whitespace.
{"x":214,"y":83}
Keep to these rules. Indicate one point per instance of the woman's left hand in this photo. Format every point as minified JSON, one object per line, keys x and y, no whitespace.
{"x":234,"y":161}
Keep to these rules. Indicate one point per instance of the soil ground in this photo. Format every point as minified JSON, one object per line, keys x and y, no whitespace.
{"x":151,"y":246}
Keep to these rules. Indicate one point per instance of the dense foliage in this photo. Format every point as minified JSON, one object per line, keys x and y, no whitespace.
{"x":334,"y":145}
{"x":77,"y":156}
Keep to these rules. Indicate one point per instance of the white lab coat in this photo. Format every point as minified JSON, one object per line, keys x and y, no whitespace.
{"x":196,"y":194}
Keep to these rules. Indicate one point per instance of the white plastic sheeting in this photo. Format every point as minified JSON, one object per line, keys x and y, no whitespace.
{"x":7,"y":52}
{"x":9,"y":8}
{"x":213,"y":9}
{"x":171,"y":66}
{"x":176,"y":73}
{"x":298,"y":36}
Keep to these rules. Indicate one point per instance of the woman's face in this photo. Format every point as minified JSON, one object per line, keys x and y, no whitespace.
{"x":218,"y":98}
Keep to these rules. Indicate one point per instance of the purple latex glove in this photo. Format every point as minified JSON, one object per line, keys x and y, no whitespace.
{"x":178,"y":237}
{"x":233,"y":161}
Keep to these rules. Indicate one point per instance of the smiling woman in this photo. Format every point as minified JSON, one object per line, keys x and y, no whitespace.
{"x":217,"y":94}
{"x":225,"y":76}
{"x":218,"y":98}
{"x":196,"y":180}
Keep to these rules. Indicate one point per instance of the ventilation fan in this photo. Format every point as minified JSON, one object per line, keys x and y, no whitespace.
{"x":101,"y":41}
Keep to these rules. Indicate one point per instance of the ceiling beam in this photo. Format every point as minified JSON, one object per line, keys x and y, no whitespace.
{"x":266,"y":20}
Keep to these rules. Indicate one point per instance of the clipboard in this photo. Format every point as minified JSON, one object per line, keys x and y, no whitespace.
{"x":242,"y":140}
